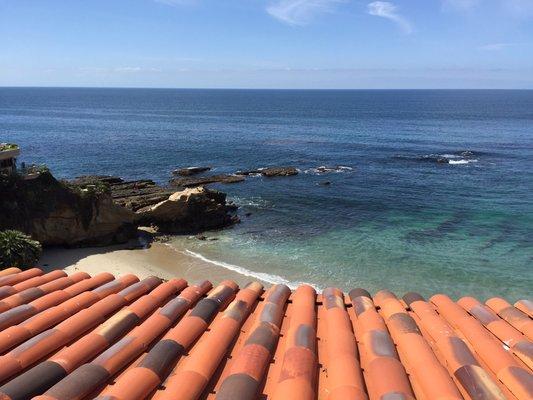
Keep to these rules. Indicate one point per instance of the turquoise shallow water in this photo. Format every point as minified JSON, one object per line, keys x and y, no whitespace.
{"x":398,"y":219}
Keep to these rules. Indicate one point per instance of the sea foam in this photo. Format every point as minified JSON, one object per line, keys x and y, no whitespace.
{"x":270,"y":278}
{"x":461,"y":161}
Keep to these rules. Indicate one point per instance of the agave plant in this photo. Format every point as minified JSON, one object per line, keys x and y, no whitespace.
{"x":18,"y":250}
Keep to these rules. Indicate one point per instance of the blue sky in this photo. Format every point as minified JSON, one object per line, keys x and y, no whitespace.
{"x":267,"y":43}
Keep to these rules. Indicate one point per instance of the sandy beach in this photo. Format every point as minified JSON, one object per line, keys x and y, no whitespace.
{"x":159,"y":260}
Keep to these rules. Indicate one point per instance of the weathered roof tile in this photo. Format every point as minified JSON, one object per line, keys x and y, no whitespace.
{"x":80,"y":337}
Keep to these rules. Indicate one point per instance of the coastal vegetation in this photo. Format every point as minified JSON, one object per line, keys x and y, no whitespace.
{"x":18,"y":250}
{"x":8,"y":146}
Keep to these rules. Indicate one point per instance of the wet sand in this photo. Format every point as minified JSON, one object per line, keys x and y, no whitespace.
{"x":160,"y":260}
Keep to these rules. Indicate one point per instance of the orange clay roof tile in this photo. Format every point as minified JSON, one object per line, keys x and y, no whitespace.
{"x":80,"y":337}
{"x":9,"y":271}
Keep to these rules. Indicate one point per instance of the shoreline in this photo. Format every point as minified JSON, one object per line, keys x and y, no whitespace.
{"x":160,"y":259}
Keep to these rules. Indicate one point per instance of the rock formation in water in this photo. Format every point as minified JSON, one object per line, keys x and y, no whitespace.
{"x":205,"y":180}
{"x":270,"y":172}
{"x":190,"y":171}
{"x":279,"y":171}
{"x":189,"y":211}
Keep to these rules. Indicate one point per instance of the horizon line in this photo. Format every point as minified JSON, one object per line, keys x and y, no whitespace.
{"x":251,"y":88}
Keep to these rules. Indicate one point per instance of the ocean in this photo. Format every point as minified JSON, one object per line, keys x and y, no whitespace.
{"x":394,"y":217}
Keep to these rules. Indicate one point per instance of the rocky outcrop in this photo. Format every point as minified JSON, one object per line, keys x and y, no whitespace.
{"x":60,"y":213}
{"x":248,"y":172}
{"x":138,"y":194}
{"x":109,"y":223}
{"x":166,"y":210}
{"x":132,"y":195}
{"x":279,"y":171}
{"x":189,"y":211}
{"x":102,"y":210}
{"x":205,"y":180}
{"x":453,"y":157}
{"x":269,"y":171}
{"x":190,"y":171}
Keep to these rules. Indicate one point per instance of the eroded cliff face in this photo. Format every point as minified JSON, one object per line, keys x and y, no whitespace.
{"x":98,"y":211}
{"x":58,"y":213}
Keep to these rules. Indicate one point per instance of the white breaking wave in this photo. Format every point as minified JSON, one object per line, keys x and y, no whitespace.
{"x":257,"y":202}
{"x":447,"y":155}
{"x":326,"y":170}
{"x":270,"y":278}
{"x":461,"y":161}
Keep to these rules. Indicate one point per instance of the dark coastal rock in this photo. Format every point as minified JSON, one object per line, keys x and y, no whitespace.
{"x":64,"y":213}
{"x":89,"y":179}
{"x":103,"y":210}
{"x":189,"y":211}
{"x":324,"y":183}
{"x":205,"y":180}
{"x":249,"y":172}
{"x":157,"y":206}
{"x":132,"y":195}
{"x":455,"y":157}
{"x":279,"y":171}
{"x":191,"y":171}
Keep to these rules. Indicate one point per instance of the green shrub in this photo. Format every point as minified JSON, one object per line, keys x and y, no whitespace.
{"x":8,"y":146}
{"x":18,"y":250}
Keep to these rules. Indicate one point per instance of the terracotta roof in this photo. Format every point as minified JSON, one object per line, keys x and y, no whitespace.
{"x":80,"y":337}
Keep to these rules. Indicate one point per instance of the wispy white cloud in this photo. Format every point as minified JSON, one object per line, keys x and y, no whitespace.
{"x":388,"y":10}
{"x":300,"y":12}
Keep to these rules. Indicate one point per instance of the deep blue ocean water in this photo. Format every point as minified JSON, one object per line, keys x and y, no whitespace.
{"x":397,"y":220}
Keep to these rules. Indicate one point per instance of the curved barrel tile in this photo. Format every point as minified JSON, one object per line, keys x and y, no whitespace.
{"x":52,"y":339}
{"x":9,"y":271}
{"x":513,"y":316}
{"x":14,"y":335}
{"x":162,"y":357}
{"x":249,"y":366}
{"x":20,"y":313}
{"x":32,"y":293}
{"x":520,"y":346}
{"x":297,"y":378}
{"x":67,"y":337}
{"x":12,"y":279}
{"x":38,"y":280}
{"x":344,"y":375}
{"x":461,"y":363}
{"x":526,"y":306}
{"x":500,"y":361}
{"x":193,"y":375}
{"x":424,"y":368}
{"x":58,"y":366}
{"x":385,"y":376}
{"x":101,"y":369}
